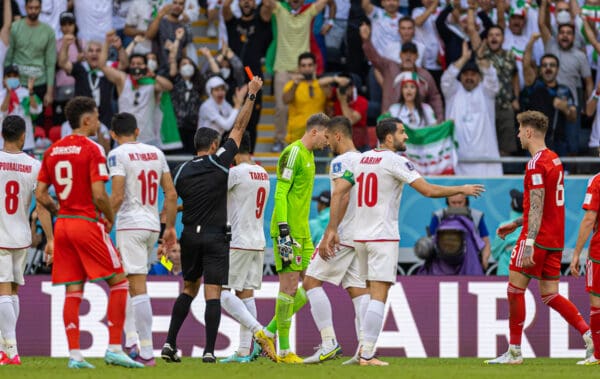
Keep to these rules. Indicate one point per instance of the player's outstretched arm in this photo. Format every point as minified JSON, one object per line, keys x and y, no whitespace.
{"x":239,"y":126}
{"x":102,"y":202}
{"x":585,"y":229}
{"x":169,"y":236}
{"x":433,"y":190}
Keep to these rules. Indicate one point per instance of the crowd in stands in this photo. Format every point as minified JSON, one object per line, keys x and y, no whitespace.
{"x":474,"y":62}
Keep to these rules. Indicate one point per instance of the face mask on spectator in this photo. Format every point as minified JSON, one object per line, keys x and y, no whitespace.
{"x":152,"y":65}
{"x":563,"y":17}
{"x":187,"y":70}
{"x":225,"y":72}
{"x":137,"y":71}
{"x":308,"y":76}
{"x":12,"y":83}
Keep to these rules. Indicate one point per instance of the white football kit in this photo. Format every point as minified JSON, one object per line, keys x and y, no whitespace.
{"x":249,"y":187}
{"x":18,"y":179}
{"x":138,"y":223}
{"x":380,"y":176}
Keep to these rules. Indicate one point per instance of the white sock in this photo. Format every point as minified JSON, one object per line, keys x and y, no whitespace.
{"x":320,"y":308}
{"x":16,"y":305}
{"x":129,"y":325}
{"x":236,"y":308}
{"x":245,"y":333}
{"x":115,"y":348}
{"x":75,"y":354}
{"x":359,"y":312}
{"x":8,"y":325}
{"x":372,"y":324}
{"x":142,"y":312}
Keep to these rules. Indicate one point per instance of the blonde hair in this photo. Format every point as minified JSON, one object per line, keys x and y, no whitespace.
{"x":535,"y":119}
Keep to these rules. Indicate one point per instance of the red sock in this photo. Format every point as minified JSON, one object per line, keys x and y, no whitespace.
{"x":516,"y":313}
{"x":567,"y":310}
{"x":595,"y":329}
{"x":71,"y":318}
{"x":117,"y":302}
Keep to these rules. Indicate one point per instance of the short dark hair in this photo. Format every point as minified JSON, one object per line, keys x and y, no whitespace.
{"x":136,"y":55}
{"x":406,"y":19}
{"x":385,"y":127}
{"x":535,"y":119}
{"x":123,"y":124}
{"x":552,"y":56}
{"x":13,"y":127}
{"x":495,"y":26}
{"x":77,"y":107}
{"x":318,"y":119}
{"x":307,"y":55}
{"x":340,"y":124}
{"x":204,"y":137}
{"x":568,"y":25}
{"x":245,"y":144}
{"x":29,"y":1}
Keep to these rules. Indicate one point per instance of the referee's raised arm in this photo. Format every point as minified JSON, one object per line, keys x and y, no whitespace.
{"x":243,"y":117}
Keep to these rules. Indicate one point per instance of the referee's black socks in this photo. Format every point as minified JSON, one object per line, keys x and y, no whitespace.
{"x":212,"y":318}
{"x":181,"y":308}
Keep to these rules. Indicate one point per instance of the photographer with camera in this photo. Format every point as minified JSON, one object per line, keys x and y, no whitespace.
{"x":348,"y":103}
{"x":138,"y":89}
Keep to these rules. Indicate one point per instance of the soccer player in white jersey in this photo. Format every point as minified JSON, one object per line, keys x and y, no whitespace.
{"x":136,"y":170}
{"x":380,"y":175}
{"x":343,"y":266}
{"x":18,"y":178}
{"x":248,"y":187}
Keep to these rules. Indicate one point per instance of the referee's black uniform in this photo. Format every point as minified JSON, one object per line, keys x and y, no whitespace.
{"x":202,"y":185}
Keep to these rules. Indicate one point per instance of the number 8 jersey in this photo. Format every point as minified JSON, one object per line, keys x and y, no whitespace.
{"x":18,"y":176}
{"x":380,"y":176}
{"x":71,"y":165}
{"x":143,"y":167}
{"x":545,"y":170}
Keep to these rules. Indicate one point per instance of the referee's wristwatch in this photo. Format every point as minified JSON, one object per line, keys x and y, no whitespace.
{"x":251,"y":96}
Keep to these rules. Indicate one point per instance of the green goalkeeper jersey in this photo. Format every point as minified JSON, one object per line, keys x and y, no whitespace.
{"x":295,"y":179}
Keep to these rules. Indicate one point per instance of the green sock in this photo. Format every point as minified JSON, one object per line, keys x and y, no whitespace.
{"x":299,"y":299}
{"x":272,"y":326}
{"x":284,"y":309}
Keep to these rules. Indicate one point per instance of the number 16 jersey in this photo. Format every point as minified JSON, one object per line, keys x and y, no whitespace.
{"x":143,"y":167}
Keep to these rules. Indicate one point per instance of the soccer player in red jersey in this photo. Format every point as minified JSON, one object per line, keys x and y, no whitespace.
{"x":538,"y":251}
{"x":76,"y":167}
{"x":589,"y":223}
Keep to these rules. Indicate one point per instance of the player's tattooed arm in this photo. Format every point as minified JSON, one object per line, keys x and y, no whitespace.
{"x":518,"y":221}
{"x":536,"y":211}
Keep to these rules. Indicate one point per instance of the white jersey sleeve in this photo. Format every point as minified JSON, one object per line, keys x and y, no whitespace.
{"x":339,"y":169}
{"x":18,"y":179}
{"x":142,"y":166}
{"x":249,"y":189}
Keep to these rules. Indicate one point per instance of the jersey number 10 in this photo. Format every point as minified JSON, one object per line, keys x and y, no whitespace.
{"x":367,"y":189}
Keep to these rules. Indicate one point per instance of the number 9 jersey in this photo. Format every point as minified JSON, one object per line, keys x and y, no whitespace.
{"x":545,"y":170}
{"x":71,"y":165}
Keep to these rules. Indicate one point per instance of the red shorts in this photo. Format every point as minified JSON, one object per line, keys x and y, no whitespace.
{"x":592,"y":277}
{"x":83,"y":251}
{"x":547,"y":262}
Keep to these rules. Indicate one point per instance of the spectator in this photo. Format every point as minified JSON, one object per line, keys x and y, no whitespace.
{"x":406,"y":29}
{"x":22,"y":102}
{"x":507,"y":98}
{"x":120,"y":10}
{"x":502,"y":247}
{"x":165,"y":28}
{"x":546,"y":95}
{"x":348,"y":103}
{"x":305,"y":95}
{"x":170,"y":265}
{"x":476,"y":216}
{"x":94,"y":18}
{"x":249,"y":37}
{"x":390,"y":70}
{"x":90,"y":81}
{"x":228,"y":66}
{"x":411,"y":109}
{"x":574,"y":69}
{"x":470,"y":103}
{"x":102,"y":137}
{"x":187,"y":89}
{"x":216,"y":113}
{"x":33,"y":50}
{"x":139,"y":91}
{"x":65,"y":84}
{"x":427,"y":34}
{"x":318,"y":224}
{"x":4,"y":38}
{"x":335,"y":37}
{"x":293,"y":35}
{"x":385,"y":27}
{"x":140,"y":15}
{"x":213,"y":11}
{"x":50,"y":14}
{"x":15,"y":13}
{"x":454,"y":32}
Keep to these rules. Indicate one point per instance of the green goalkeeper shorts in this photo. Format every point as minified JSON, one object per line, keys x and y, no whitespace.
{"x":301,"y":257}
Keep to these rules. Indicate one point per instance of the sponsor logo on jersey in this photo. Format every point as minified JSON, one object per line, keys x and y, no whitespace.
{"x":298,"y":259}
{"x":337,"y":167}
{"x":65,"y":150}
{"x":102,"y":169}
{"x":536,"y":179}
{"x":112,"y":161}
{"x":588,"y":199}
{"x":287,"y":173}
{"x":410,"y":166}
{"x":556,"y":161}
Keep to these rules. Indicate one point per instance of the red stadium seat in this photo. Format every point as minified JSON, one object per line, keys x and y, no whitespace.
{"x":372,"y":136}
{"x":54,"y":133}
{"x":39,"y":132}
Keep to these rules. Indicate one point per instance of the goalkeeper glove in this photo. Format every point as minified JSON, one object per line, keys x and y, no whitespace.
{"x":285,"y":244}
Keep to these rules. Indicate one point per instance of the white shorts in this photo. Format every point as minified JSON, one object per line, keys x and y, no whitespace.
{"x":12,"y":265}
{"x":342,"y":268}
{"x":135,"y":247}
{"x":245,"y":269}
{"x":378,"y":261}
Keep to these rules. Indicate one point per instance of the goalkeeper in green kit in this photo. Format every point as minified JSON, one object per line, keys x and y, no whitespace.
{"x":292,"y":244}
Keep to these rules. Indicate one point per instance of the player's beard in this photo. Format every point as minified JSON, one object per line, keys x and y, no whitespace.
{"x":400,"y":146}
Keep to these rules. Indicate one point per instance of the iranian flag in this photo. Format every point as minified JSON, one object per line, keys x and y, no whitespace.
{"x":432,"y":149}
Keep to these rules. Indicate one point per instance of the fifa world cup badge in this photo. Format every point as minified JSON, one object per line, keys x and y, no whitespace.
{"x":298,"y":259}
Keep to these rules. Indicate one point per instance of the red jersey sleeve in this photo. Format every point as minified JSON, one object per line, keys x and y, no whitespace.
{"x":535,"y":177}
{"x":98,"y":170}
{"x":591,"y":202}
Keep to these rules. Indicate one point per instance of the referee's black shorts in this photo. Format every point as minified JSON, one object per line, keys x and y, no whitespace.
{"x":205,"y":254}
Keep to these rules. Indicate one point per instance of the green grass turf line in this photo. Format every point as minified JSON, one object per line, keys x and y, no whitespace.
{"x":430,"y":368}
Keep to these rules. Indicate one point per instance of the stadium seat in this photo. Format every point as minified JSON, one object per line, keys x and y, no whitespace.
{"x":39,"y":132}
{"x":372,"y":136}
{"x":54,"y":133}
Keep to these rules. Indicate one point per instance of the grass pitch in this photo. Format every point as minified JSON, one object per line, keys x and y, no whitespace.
{"x":430,"y":368}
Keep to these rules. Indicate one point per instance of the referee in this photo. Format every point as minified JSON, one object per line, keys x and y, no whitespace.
{"x":202,"y":185}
